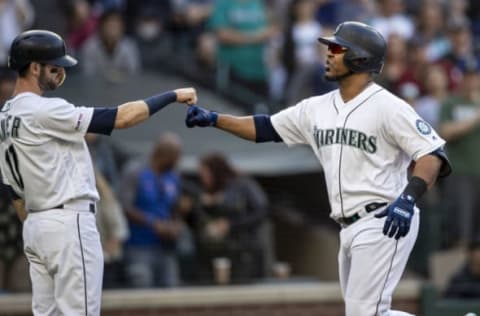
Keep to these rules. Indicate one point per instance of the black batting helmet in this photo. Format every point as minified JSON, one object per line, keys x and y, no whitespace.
{"x":39,"y":46}
{"x":366,"y":47}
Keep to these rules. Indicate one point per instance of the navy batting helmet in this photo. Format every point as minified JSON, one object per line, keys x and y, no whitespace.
{"x":366,"y":47}
{"x":39,"y":46}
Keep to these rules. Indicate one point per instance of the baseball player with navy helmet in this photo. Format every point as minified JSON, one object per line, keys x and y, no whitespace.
{"x":365,"y":138}
{"x":45,"y":161}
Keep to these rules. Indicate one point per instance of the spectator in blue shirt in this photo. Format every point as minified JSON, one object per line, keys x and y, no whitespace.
{"x":149,"y":195}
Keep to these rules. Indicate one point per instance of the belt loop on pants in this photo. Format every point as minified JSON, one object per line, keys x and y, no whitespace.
{"x":355,"y":217}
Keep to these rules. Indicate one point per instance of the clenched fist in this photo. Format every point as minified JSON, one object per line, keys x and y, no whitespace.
{"x":186,"y":95}
{"x":198,"y":116}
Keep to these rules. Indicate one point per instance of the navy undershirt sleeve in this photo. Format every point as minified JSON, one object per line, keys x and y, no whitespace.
{"x":103,"y":121}
{"x":264,"y":129}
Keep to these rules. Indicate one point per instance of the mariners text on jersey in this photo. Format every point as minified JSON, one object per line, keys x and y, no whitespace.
{"x":9,"y":127}
{"x":345,"y":136}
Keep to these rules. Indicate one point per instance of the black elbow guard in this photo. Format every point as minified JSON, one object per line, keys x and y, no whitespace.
{"x":446,"y":167}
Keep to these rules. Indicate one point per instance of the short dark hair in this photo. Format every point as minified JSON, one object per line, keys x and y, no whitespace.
{"x":222,"y":171}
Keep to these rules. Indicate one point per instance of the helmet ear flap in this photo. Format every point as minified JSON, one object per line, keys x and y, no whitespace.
{"x":362,"y":64}
{"x":352,"y":62}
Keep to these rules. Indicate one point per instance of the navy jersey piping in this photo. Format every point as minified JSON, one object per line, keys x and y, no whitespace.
{"x":83,"y":266}
{"x":334,"y":104}
{"x":341,"y":152}
{"x":386,"y":277}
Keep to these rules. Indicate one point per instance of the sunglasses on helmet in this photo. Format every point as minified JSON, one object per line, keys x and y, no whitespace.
{"x":336,"y":48}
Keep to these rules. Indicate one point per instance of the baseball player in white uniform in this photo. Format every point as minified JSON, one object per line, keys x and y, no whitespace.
{"x":45,"y":161}
{"x":365,"y":138}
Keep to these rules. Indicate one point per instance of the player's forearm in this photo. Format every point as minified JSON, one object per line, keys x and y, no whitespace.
{"x":19,"y":206}
{"x":131,"y":113}
{"x":427,"y":168}
{"x":243,"y":127}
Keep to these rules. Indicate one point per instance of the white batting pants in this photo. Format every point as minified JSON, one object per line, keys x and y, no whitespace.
{"x":66,"y":262}
{"x":371,"y":265}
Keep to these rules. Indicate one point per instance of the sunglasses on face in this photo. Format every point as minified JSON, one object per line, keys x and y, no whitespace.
{"x":336,"y":49}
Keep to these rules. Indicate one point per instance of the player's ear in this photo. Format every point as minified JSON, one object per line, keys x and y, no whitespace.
{"x":35,"y":68}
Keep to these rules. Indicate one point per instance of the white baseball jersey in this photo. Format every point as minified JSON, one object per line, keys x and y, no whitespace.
{"x":365,"y":145}
{"x":44,"y":156}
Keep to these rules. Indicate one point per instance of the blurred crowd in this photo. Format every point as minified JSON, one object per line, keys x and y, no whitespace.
{"x":263,"y":54}
{"x":161,"y":229}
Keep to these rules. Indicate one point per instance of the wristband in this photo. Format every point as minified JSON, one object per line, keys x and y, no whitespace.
{"x":157,"y":102}
{"x":213,"y":118}
{"x":416,"y":187}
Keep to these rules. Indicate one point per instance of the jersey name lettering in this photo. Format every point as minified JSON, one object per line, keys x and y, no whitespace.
{"x":9,"y":127}
{"x":345,"y":136}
